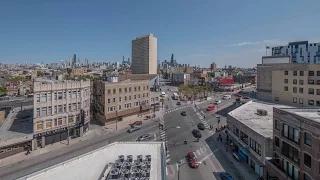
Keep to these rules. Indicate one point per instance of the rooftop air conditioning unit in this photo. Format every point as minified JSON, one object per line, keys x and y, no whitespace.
{"x":114,"y":173}
{"x":262,"y":112}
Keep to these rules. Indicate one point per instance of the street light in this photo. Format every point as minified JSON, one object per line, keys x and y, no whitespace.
{"x":280,"y":158}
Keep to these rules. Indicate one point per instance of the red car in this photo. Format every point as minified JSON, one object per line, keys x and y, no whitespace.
{"x":137,"y":123}
{"x":210,"y":108}
{"x":192,"y":160}
{"x":237,"y":95}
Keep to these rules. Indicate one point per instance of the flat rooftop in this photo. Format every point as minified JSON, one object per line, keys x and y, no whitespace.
{"x":99,"y":163}
{"x":247,"y":115}
{"x":309,"y":113}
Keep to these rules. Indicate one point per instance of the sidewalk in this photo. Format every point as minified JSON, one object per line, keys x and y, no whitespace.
{"x":124,"y":124}
{"x":242,"y":169}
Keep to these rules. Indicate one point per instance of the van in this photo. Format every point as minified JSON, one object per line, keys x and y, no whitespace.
{"x":217,"y":102}
{"x":227,"y":97}
{"x":210,"y":108}
{"x":208,"y":98}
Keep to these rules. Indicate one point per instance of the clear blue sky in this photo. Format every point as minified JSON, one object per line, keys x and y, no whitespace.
{"x":196,"y":31}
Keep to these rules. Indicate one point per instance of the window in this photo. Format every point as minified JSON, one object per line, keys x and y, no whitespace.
{"x":311,"y":102}
{"x":290,"y":151}
{"x":44,"y":111}
{"x":49,"y":110}
{"x":310,"y":91}
{"x":300,"y":82}
{"x":294,"y":90}
{"x":301,"y":73}
{"x":55,"y":110}
{"x":64,"y":108}
{"x":125,"y":98}
{"x":286,"y":81}
{"x":125,"y":90}
{"x":119,"y":107}
{"x":114,"y":91}
{"x":300,"y":100}
{"x":69,"y":94}
{"x":139,"y":88}
{"x":147,"y":94}
{"x":39,"y":126}
{"x":60,"y":121}
{"x":318,"y":103}
{"x":310,"y":81}
{"x":60,"y":96}
{"x":318,"y":91}
{"x":291,"y":133}
{"x":129,"y":98}
{"x":147,"y":87}
{"x":135,"y":89}
{"x":307,"y":139}
{"x":286,"y":88}
{"x":311,"y":73}
{"x":294,"y":100}
{"x":120,"y":90}
{"x":60,"y":109}
{"x":48,"y":124}
{"x":108,"y":101}
{"x":38,"y":97}
{"x":244,"y":137}
{"x":318,"y":73}
{"x":74,"y":106}
{"x":114,"y":100}
{"x":43,"y":97}
{"x":307,"y":160}
{"x":129,"y":89}
{"x":306,"y":177}
{"x":276,"y":141}
{"x":74,"y":94}
{"x":55,"y":96}
{"x":120,"y":99}
{"x":70,"y":109}
{"x":78,"y":94}
{"x":301,"y":90}
{"x":143,"y":95}
{"x":64,"y":95}
{"x":109,"y":91}
{"x":295,"y":73}
{"x":286,"y":73}
{"x":135,"y":96}
{"x":255,"y":146}
{"x":276,"y":98}
{"x":294,"y":81}
{"x":277,"y":124}
{"x":70,"y":119}
{"x":236,"y":131}
{"x":38,"y":112}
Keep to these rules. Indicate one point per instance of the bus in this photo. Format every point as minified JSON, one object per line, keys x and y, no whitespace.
{"x":175,"y":96}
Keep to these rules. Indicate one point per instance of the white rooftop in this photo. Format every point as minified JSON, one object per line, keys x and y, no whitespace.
{"x":309,"y":113}
{"x":93,"y":165}
{"x":247,"y":115}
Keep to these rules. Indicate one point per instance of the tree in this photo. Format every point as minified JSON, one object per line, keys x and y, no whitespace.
{"x":39,"y":74}
{"x":19,"y":78}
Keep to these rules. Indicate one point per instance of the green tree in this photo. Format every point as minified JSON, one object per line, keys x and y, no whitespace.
{"x":39,"y":74}
{"x":19,"y":78}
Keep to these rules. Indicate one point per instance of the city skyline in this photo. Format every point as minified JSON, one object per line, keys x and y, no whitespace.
{"x":207,"y":35}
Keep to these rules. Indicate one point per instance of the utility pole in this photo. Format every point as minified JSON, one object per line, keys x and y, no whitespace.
{"x":116,"y":119}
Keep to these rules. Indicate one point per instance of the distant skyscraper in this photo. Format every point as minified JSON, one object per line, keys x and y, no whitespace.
{"x":74,"y":60}
{"x":144,"y":55}
{"x":213,"y":66}
{"x":172,"y":59}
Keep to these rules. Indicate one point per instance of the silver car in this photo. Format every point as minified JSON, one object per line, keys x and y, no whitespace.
{"x":145,"y":137}
{"x":135,"y":128}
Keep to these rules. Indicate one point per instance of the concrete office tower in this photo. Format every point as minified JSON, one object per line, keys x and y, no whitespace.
{"x":61,"y":110}
{"x":144,"y":55}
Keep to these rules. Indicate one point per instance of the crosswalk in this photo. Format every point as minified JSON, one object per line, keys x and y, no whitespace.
{"x":176,"y":109}
{"x":201,"y":116}
{"x":163,"y":137}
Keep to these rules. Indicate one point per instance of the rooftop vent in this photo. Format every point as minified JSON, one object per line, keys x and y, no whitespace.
{"x":262,"y":112}
{"x":114,"y":173}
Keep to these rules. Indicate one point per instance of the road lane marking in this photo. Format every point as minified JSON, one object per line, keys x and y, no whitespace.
{"x":195,"y":154}
{"x":206,"y":157}
{"x":198,"y":152}
{"x":167,"y":171}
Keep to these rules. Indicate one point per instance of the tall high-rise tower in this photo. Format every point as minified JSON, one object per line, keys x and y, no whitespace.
{"x":144,"y":55}
{"x":172,"y":59}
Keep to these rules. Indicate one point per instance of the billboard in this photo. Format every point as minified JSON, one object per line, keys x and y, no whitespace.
{"x":226,"y":81}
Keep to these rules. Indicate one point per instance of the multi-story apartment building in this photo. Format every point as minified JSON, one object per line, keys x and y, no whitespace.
{"x":144,"y":55}
{"x":61,"y":110}
{"x":180,"y":78}
{"x":115,"y":99}
{"x":250,"y":127}
{"x":300,"y":52}
{"x":296,"y":147}
{"x":290,"y":84}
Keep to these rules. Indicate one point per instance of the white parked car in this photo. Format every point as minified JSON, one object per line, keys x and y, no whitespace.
{"x":217,"y":102}
{"x":227,"y":97}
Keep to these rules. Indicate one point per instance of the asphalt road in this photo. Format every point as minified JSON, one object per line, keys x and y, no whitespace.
{"x":16,"y":103}
{"x":48,"y":159}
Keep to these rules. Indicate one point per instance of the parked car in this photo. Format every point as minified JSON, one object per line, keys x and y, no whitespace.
{"x":192,"y":160}
{"x":246,"y":97}
{"x":196,"y":133}
{"x":183,"y":113}
{"x":210,"y":108}
{"x":227,"y":97}
{"x":145,"y":137}
{"x":178,"y":103}
{"x":201,"y":126}
{"x":217,"y":102}
{"x":137,"y":123}
{"x":225,"y":176}
{"x":237,"y":95}
{"x":135,"y":128}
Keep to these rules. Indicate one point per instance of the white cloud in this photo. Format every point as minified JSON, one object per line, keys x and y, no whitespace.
{"x":264,"y":42}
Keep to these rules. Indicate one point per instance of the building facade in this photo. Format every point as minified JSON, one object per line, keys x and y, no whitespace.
{"x":61,"y":110}
{"x":12,"y":88}
{"x":144,"y":55}
{"x":250,"y":127}
{"x":300,"y":52}
{"x":290,"y":84}
{"x":213,"y":66}
{"x":114,"y":100}
{"x":296,"y":145}
{"x":180,"y":78}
